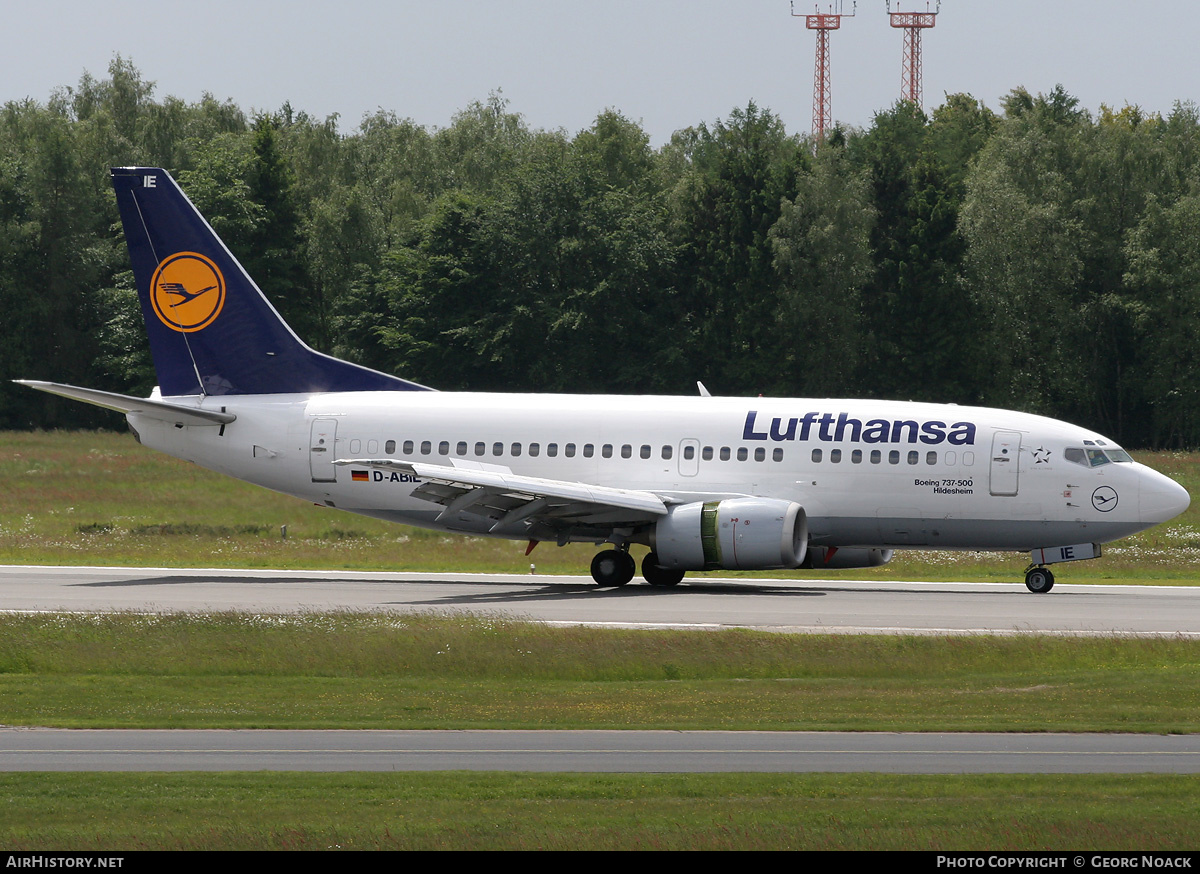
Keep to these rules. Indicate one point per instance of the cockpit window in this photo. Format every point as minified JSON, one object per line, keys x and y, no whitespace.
{"x":1094,"y":457}
{"x":1075,"y":456}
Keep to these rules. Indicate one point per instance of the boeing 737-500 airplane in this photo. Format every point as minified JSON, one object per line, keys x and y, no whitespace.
{"x":705,"y":482}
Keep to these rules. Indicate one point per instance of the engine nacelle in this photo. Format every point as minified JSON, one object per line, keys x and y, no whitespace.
{"x":734,"y":534}
{"x":835,"y":558}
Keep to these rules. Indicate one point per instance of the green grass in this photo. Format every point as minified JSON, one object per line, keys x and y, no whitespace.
{"x":98,"y":498}
{"x":417,"y":671}
{"x":416,"y":811}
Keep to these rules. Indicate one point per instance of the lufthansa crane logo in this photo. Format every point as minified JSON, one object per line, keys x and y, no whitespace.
{"x":187,"y":292}
{"x":1104,"y":499}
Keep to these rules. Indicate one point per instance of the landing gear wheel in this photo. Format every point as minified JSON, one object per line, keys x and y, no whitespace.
{"x":612,"y":567}
{"x":659,"y":576}
{"x":1039,"y":580}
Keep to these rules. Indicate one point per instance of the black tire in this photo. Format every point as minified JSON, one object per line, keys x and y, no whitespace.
{"x":659,"y":576}
{"x":612,"y":567}
{"x":1039,"y":580}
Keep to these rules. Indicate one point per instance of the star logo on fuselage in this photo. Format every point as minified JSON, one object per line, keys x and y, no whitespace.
{"x":1041,"y":455}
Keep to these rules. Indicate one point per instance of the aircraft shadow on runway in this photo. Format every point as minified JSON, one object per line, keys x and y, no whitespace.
{"x":539,"y":590}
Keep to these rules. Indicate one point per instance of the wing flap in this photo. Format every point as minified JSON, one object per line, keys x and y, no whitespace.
{"x":513,"y":501}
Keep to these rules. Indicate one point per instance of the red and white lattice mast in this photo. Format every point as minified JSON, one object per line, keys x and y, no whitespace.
{"x":822,"y":23}
{"x":912,"y":23}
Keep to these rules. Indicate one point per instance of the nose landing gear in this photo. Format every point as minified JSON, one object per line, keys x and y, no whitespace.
{"x":1039,"y":580}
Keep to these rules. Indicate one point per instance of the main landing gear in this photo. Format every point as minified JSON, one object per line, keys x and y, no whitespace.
{"x":1039,"y":580}
{"x":616,"y":567}
{"x":613,"y":567}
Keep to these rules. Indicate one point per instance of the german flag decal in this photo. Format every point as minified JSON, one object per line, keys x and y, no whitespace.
{"x":360,"y":476}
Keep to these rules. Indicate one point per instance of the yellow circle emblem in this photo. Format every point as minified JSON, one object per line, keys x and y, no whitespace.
{"x":187,"y":291}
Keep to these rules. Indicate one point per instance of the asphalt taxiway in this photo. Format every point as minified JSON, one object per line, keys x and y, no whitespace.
{"x":596,"y":751}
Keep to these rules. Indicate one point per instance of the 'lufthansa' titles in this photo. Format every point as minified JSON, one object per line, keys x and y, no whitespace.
{"x":841,"y":428}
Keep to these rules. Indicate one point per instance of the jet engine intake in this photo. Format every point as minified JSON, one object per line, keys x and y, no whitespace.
{"x":734,"y":534}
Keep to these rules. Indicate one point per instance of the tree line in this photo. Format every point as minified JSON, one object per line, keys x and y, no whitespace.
{"x":1039,"y":258}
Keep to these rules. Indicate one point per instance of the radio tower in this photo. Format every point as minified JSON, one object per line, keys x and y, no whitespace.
{"x":913,"y":23}
{"x":822,"y":23}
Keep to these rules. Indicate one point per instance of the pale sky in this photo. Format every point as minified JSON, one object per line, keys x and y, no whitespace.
{"x":665,"y":63}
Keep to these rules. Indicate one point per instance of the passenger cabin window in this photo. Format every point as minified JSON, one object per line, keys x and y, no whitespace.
{"x":606,"y":450}
{"x":742,"y":453}
{"x":480,"y":448}
{"x":535,"y":450}
{"x":724,"y":453}
{"x":497,"y":449}
{"x":645,"y":450}
{"x":426,"y":447}
{"x":461,"y":449}
{"x":856,"y":456}
{"x":389,"y":447}
{"x":894,"y":456}
{"x":626,"y":451}
{"x":876,"y":456}
{"x":516,"y":449}
{"x":588,"y":450}
{"x":444,"y":447}
{"x":666,"y":451}
{"x":913,"y":456}
{"x":931,"y":457}
{"x":760,"y":454}
{"x":777,"y":454}
{"x":569,"y":450}
{"x":816,"y":455}
{"x":707,"y":453}
{"x":689,"y":452}
{"x":408,"y":447}
{"x":835,"y":456}
{"x":552,"y":450}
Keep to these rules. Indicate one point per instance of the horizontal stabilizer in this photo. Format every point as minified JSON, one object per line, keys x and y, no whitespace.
{"x":173,"y":413}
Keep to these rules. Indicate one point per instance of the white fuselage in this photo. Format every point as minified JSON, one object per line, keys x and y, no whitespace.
{"x":867,"y":473}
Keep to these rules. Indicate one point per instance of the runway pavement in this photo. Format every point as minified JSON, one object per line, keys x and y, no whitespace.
{"x":702,"y":602}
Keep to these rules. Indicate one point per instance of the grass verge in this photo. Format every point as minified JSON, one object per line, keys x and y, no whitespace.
{"x":491,"y":811}
{"x":418,"y":671}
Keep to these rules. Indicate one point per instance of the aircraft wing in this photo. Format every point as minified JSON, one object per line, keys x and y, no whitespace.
{"x":174,"y":413}
{"x":546,"y":509}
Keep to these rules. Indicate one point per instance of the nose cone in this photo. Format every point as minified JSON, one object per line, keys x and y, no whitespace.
{"x":1161,"y":498}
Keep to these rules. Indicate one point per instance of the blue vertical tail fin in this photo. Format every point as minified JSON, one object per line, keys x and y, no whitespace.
{"x":211,"y":329}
